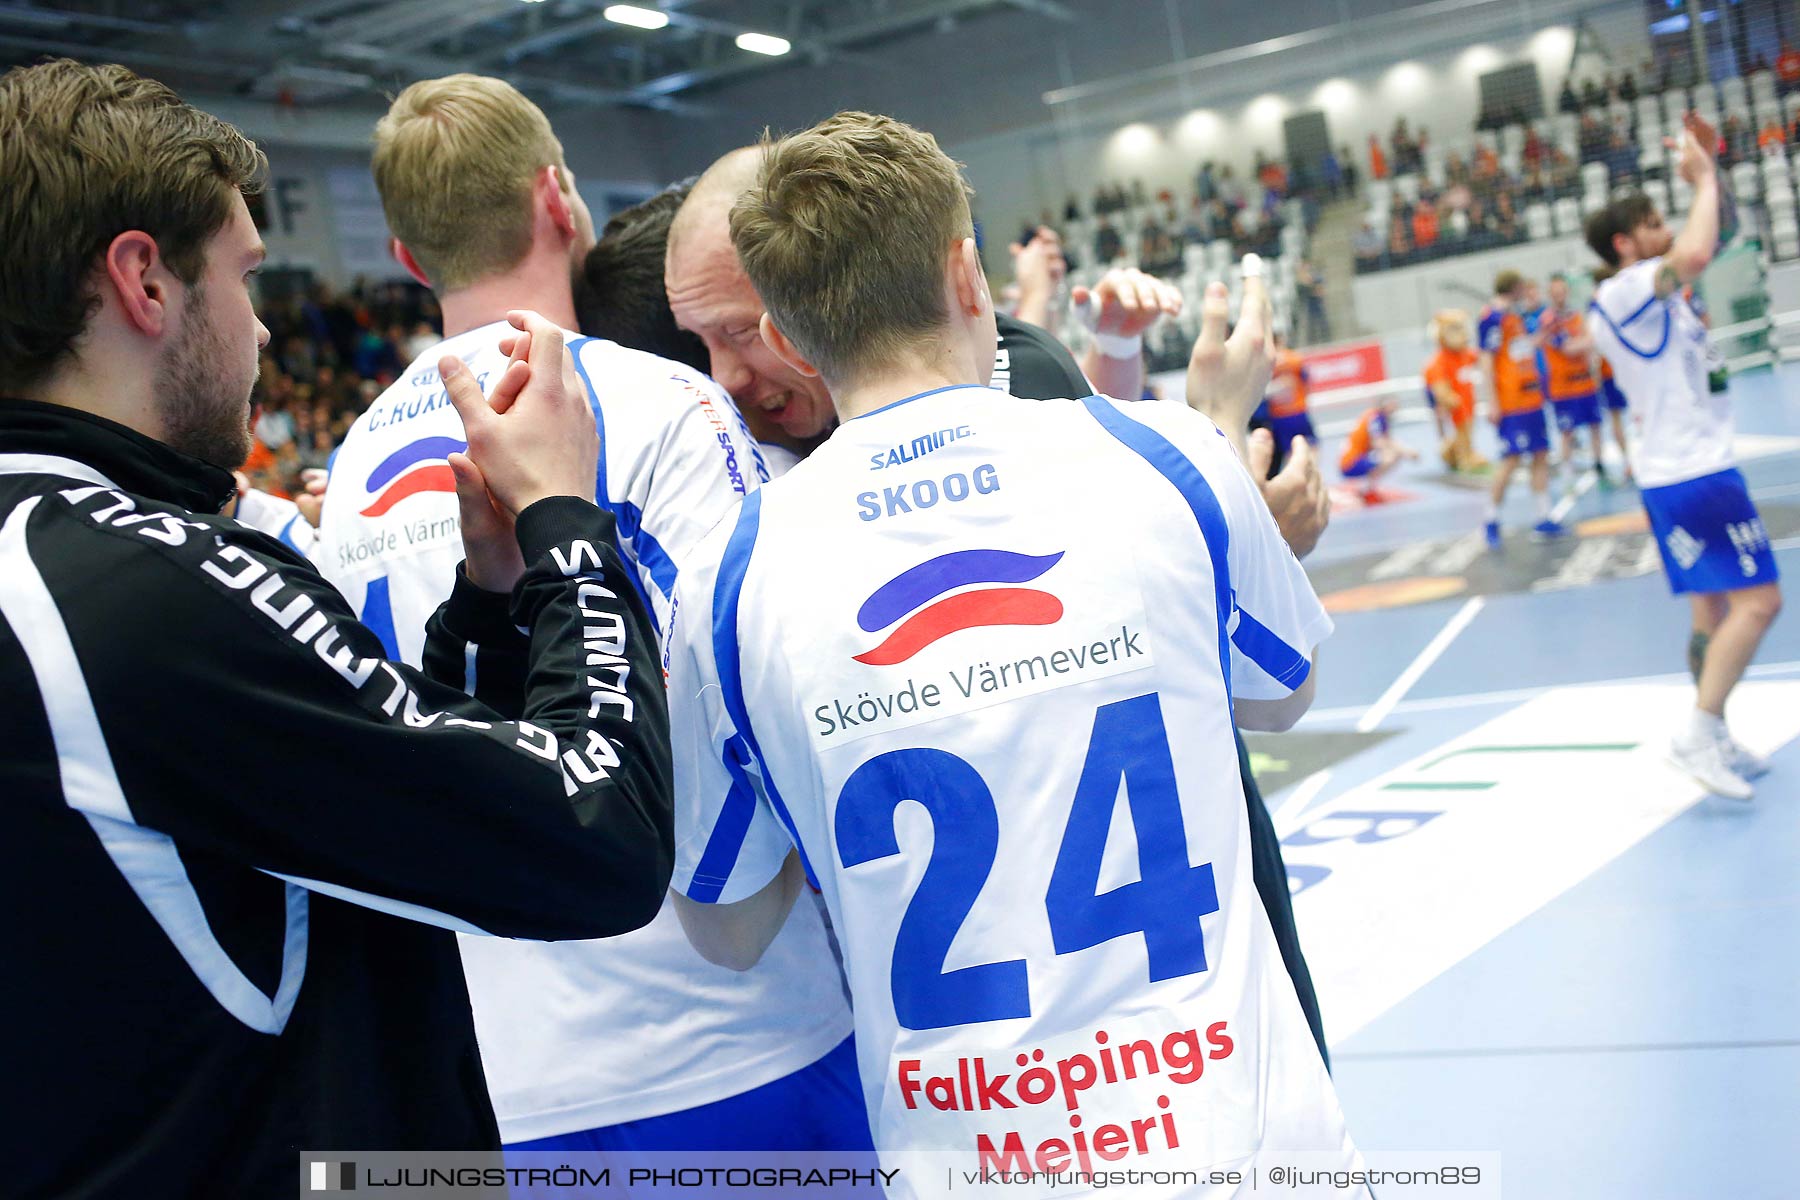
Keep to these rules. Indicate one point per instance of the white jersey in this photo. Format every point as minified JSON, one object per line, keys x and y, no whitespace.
{"x":278,"y":517}
{"x":1033,"y":610}
{"x":576,"y":1035}
{"x":1658,"y":351}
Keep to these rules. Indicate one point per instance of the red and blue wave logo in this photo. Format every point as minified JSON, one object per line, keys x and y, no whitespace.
{"x":421,"y":466}
{"x":921,"y":596}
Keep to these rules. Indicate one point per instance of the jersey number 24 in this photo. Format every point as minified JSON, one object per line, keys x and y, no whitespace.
{"x":1164,"y":904}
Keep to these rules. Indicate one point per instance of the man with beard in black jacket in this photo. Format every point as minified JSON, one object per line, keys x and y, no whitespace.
{"x":235,"y":839}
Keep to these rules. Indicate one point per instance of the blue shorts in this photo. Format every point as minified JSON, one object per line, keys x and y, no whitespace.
{"x":1710,"y":535}
{"x":1361,"y":466}
{"x":1523,"y":433}
{"x":819,"y":1107}
{"x":1286,"y":429}
{"x":1576,"y":411}
{"x":1611,"y":395}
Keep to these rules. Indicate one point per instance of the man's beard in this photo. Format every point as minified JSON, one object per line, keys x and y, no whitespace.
{"x":205,"y":413}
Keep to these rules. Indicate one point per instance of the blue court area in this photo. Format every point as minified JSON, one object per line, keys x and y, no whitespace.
{"x":1530,"y":935}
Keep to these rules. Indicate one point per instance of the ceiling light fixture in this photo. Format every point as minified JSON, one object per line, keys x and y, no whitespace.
{"x":631,"y":14}
{"x":763,"y":43}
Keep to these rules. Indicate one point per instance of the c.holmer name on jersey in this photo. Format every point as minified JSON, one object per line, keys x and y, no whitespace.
{"x":918,"y":448}
{"x":405,"y":408}
{"x":982,"y":682}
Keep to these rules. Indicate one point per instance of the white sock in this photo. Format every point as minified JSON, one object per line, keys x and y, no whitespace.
{"x":1703,"y":726}
{"x":1493,"y":510}
{"x":1541,"y":500}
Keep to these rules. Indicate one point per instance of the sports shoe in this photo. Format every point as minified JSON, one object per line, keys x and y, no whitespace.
{"x":1493,"y":535}
{"x":1546,"y":529}
{"x":1705,"y":761}
{"x":1743,"y":764}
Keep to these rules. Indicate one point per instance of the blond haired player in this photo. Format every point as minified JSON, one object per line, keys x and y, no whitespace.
{"x":947,"y":725}
{"x":637,"y":1043}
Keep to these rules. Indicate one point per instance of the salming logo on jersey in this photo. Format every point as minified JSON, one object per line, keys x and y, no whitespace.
{"x":420,"y":466}
{"x":918,"y":448}
{"x":917,"y":590}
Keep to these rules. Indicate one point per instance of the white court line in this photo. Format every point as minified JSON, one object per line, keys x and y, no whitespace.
{"x":1379,"y":710}
{"x":1298,"y":802}
{"x":1582,"y":487}
{"x":1512,"y":695}
{"x":1785,"y":544}
{"x":1770,"y":493}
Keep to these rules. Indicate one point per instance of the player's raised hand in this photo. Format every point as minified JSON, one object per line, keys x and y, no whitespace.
{"x":1126,"y":302}
{"x":533,"y":435}
{"x":1296,"y":496}
{"x":1695,"y":150}
{"x":1227,"y":376}
{"x":1039,"y":264}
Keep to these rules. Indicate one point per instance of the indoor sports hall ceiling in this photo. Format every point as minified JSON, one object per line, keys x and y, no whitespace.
{"x":311,"y":52}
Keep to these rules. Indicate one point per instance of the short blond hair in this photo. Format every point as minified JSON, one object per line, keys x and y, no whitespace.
{"x":454,"y":161}
{"x":844,"y":235}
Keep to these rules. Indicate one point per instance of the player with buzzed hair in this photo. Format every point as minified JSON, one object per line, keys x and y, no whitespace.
{"x":1714,"y":548}
{"x":946,"y":728}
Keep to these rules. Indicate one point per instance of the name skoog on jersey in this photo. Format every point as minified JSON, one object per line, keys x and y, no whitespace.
{"x":959,"y":631}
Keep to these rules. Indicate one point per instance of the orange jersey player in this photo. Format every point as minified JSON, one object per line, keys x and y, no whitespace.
{"x":1372,"y":451}
{"x":1509,"y":362}
{"x":1569,"y":374}
{"x":1286,"y":396}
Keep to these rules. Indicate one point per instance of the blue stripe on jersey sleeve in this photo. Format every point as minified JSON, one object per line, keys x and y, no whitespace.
{"x":644,"y":550}
{"x":1180,"y":470}
{"x":1264,"y":647}
{"x":727,"y":839}
{"x":286,"y":537}
{"x":1619,"y":332}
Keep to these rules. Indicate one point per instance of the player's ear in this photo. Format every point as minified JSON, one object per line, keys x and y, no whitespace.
{"x":141,"y":284}
{"x":785,"y":350}
{"x":968,"y":282}
{"x":404,"y":257}
{"x":556,"y":201}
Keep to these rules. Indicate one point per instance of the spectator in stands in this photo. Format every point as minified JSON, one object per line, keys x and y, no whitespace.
{"x":1787,"y":69}
{"x":1424,"y":226}
{"x":1399,"y":246}
{"x":1772,"y":137}
{"x":1366,"y":244}
{"x":1628,"y":91}
{"x":1621,"y":159}
{"x":1590,"y":138}
{"x":1592,"y":94}
{"x":1736,"y":134}
{"x":1230,"y":191}
{"x":1331,"y":173}
{"x":1137,"y":193}
{"x":1505,"y":221}
{"x":1533,"y":153}
{"x":1072,"y":210}
{"x":1352,"y":177}
{"x":1378,"y":166}
{"x":1107,"y":243}
{"x":1309,"y":285}
{"x":1563,"y":172}
{"x":1567,"y":101}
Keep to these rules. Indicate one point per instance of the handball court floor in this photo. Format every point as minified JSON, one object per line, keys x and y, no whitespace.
{"x":1531,"y":935}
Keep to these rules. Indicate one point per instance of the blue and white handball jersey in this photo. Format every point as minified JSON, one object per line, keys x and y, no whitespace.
{"x":1658,"y":351}
{"x":577,"y":1035}
{"x":975,"y":658}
